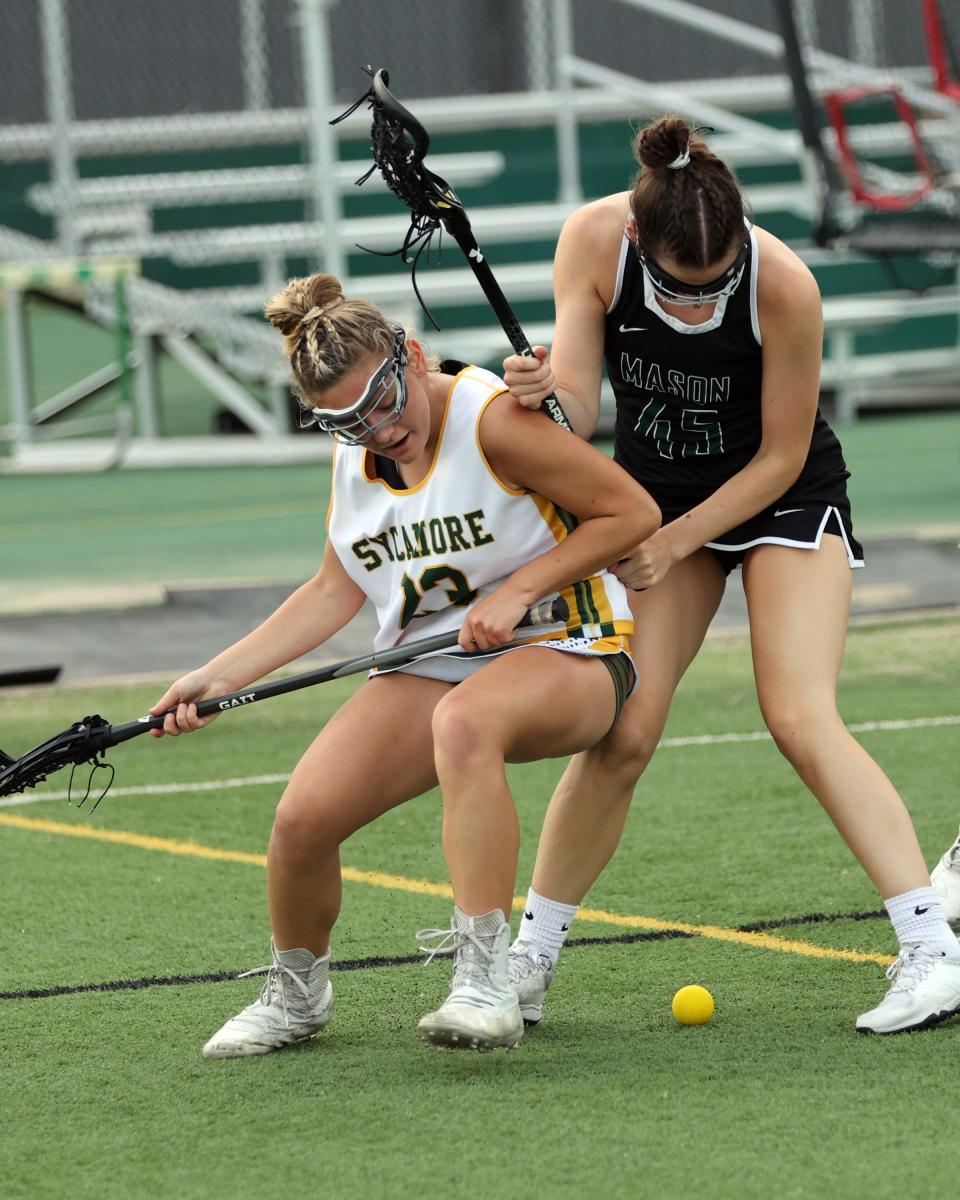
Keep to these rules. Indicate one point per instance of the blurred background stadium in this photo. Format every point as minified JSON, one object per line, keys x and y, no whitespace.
{"x":166,"y":167}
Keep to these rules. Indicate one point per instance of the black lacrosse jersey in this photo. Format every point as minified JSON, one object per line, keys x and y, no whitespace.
{"x":688,"y":396}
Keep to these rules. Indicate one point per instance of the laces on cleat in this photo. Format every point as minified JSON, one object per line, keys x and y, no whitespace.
{"x":276,"y":972}
{"x":471,"y":955}
{"x":911,"y":966}
{"x":524,"y":963}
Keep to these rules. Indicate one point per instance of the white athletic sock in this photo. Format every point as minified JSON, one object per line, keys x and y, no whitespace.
{"x":917,"y":916}
{"x":547,"y":923}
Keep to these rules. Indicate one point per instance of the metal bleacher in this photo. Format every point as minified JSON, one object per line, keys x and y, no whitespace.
{"x":240,"y":349}
{"x":179,"y":305}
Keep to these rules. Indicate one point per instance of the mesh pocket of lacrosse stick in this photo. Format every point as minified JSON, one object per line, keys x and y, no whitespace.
{"x":399,"y":144}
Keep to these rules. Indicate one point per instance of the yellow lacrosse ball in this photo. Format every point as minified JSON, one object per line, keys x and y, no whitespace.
{"x":693,"y":1005}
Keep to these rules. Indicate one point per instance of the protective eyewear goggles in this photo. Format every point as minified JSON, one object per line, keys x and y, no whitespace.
{"x":678,"y":291}
{"x":380,"y":406}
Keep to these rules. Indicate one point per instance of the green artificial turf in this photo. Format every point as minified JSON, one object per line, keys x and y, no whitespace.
{"x":106,"y":1095}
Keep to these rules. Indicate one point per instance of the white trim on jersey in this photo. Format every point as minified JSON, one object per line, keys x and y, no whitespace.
{"x":754,"y":272}
{"x":625,"y":247}
{"x":712,"y":322}
{"x":454,"y":668}
{"x":795,"y":542}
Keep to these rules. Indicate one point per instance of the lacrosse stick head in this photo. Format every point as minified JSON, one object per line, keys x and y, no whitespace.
{"x":400,"y":144}
{"x":83,"y":743}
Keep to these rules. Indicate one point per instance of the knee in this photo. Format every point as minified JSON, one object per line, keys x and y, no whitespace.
{"x":797,"y":728}
{"x":462,"y":735}
{"x":627,"y":749}
{"x":303,"y":829}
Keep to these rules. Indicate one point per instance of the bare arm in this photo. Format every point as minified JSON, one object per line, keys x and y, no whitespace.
{"x":314,"y":613}
{"x":584,"y":265}
{"x":527,"y":450}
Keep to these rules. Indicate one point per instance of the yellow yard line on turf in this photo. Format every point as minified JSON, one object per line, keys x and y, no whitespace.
{"x":763,"y":941}
{"x":424,"y":887}
{"x":142,"y":841}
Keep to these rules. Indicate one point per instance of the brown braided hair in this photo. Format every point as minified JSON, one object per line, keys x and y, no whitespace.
{"x":695,"y":212}
{"x":324,"y":333}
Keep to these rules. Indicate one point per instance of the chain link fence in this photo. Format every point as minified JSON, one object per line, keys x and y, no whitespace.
{"x":185,"y":148}
{"x":191,"y":143}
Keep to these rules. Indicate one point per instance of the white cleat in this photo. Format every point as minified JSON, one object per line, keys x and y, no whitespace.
{"x":531,"y":973}
{"x":288,"y":1010}
{"x":924,"y":992}
{"x":481,"y":1011}
{"x":945,"y":877}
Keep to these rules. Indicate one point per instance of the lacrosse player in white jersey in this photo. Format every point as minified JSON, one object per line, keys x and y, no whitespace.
{"x":451,"y":508}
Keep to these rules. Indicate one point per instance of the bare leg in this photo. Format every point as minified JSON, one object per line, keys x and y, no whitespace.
{"x":589,"y":807}
{"x":375,"y":753}
{"x":507,"y":712}
{"x":799,"y":603}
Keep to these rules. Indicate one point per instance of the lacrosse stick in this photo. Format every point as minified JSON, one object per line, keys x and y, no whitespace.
{"x":86,"y":741}
{"x":400,"y":144}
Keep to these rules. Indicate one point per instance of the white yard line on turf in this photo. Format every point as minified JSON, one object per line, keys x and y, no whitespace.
{"x":156,"y":789}
{"x":672,"y":743}
{"x":715,"y":739}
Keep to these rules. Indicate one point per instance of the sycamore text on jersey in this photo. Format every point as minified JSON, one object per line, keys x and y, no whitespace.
{"x":420,"y":539}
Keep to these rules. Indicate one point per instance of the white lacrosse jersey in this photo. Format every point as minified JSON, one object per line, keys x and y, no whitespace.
{"x":425,"y":554}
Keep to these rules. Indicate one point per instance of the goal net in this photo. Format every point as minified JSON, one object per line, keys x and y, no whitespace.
{"x":883,"y":74}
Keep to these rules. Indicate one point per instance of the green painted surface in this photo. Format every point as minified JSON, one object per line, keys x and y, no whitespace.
{"x":267,"y":523}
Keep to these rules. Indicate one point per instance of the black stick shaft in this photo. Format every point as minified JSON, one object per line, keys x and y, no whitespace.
{"x":460,"y":230}
{"x":547,"y":613}
{"x":809,"y":122}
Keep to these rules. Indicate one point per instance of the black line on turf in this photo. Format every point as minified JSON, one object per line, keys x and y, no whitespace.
{"x":810,"y":919}
{"x":626,"y":939}
{"x":376,"y":961}
{"x":117,"y":985}
{"x":127,"y":985}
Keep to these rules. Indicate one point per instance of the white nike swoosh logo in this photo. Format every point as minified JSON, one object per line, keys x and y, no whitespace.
{"x":633,"y":328}
{"x":782,"y":512}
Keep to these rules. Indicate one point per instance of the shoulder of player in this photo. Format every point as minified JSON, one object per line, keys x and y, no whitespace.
{"x":596,"y":226}
{"x":501,"y":416}
{"x":786,"y":287}
{"x":506,"y":428}
{"x":589,"y":248}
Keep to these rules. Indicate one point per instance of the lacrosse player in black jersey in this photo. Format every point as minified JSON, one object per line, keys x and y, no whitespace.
{"x":711,"y":331}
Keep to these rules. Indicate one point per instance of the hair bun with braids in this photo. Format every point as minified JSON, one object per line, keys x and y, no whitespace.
{"x":669,"y":142}
{"x":302,"y":301}
{"x":685,"y":202}
{"x":325,"y":333}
